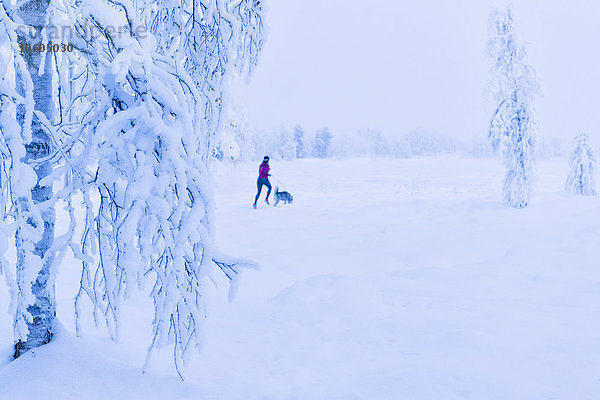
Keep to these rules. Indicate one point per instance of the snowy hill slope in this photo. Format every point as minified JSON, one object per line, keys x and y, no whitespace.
{"x":387,"y":279}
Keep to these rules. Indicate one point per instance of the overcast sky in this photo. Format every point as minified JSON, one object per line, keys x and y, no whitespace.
{"x":400,"y":66}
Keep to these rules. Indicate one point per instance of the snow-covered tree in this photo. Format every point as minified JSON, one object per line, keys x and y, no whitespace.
{"x":278,"y":143}
{"x":233,"y":133}
{"x":322,"y":144}
{"x":299,"y":141}
{"x":227,"y":148}
{"x":582,"y":173}
{"x":514,"y":87}
{"x":26,"y":147}
{"x":286,"y":148}
{"x":135,"y":150}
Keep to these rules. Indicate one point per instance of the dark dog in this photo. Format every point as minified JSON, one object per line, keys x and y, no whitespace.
{"x":282,"y":196}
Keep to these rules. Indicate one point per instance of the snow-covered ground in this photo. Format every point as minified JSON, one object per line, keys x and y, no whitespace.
{"x":386,"y":279}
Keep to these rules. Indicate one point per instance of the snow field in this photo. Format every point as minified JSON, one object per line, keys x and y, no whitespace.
{"x":386,"y":279}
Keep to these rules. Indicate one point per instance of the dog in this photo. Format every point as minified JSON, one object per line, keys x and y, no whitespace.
{"x":282,"y":196}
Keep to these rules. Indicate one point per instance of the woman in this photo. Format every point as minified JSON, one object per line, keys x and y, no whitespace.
{"x":263,"y":179}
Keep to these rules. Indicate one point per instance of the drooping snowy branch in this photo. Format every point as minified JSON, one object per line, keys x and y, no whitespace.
{"x":149,"y":206}
{"x":212,"y":39}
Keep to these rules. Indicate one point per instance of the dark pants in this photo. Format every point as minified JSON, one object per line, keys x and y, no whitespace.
{"x":259,"y":184}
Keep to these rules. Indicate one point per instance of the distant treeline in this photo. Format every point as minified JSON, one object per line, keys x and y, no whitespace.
{"x":240,"y":143}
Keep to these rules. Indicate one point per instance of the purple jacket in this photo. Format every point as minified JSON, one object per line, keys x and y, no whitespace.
{"x":263,"y":171}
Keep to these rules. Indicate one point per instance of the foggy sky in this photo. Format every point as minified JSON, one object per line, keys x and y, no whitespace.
{"x":400,"y":66}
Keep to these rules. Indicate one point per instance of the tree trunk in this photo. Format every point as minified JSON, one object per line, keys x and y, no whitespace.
{"x":40,"y":314}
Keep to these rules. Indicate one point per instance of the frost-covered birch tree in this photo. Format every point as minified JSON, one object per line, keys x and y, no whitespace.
{"x":131,"y":139}
{"x":582,"y":172}
{"x":514,"y":87}
{"x":26,"y":104}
